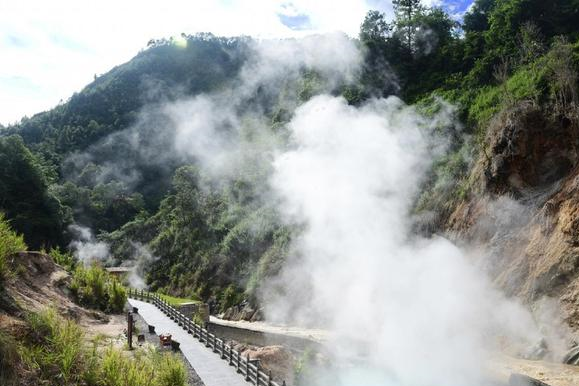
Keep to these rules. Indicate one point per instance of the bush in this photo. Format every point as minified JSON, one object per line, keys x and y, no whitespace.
{"x":527,"y":84}
{"x":117,"y":296}
{"x":147,"y":369}
{"x":64,"y":259}
{"x":170,"y":372}
{"x":230,"y":297}
{"x":10,"y":243}
{"x":54,"y":354}
{"x":94,"y":287}
{"x":9,"y":359}
{"x":54,"y":349}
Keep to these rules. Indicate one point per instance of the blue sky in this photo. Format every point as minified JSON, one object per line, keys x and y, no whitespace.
{"x":50,"y":49}
{"x":456,"y":7}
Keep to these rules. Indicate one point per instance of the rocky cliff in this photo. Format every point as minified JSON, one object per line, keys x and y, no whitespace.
{"x":524,"y":205}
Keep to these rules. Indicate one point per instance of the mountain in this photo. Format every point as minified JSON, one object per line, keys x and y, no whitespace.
{"x":128,"y":157}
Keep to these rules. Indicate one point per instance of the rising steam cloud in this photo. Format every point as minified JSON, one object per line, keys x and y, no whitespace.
{"x":414,"y":310}
{"x":86,"y":247}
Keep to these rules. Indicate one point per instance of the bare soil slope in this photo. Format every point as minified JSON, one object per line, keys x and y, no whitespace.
{"x":37,"y":282}
{"x":524,"y":206}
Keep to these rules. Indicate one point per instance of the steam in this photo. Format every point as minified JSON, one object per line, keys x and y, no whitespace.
{"x":142,"y":258}
{"x":85,"y":247}
{"x":213,"y":129}
{"x":413,"y":309}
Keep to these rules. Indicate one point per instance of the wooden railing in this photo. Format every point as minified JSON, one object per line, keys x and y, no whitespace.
{"x":249,"y":369}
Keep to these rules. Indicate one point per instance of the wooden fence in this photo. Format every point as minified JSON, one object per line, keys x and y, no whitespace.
{"x":249,"y":369}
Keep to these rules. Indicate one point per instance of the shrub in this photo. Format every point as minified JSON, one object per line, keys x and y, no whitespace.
{"x":563,"y":74}
{"x":94,"y":287}
{"x":170,"y":372}
{"x":528,"y":83}
{"x":117,"y":296}
{"x":9,"y":359}
{"x":54,"y":354}
{"x":55,"y":348}
{"x":64,"y":259}
{"x":10,"y":243}
{"x":146,"y":369}
{"x":230,"y":297}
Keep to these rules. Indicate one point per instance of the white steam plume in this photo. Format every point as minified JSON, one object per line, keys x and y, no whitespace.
{"x":209,"y":127}
{"x":85,"y":247}
{"x":413,"y":309}
{"x":142,"y":259}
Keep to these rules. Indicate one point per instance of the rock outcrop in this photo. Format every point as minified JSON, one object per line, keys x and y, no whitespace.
{"x":524,"y":206}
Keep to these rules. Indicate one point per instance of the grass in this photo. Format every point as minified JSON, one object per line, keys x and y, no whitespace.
{"x":54,"y":349}
{"x":176,"y":301}
{"x":64,"y":259}
{"x":147,"y":368}
{"x":10,"y":243}
{"x":8,"y":359}
{"x":94,"y":287}
{"x":55,"y":353}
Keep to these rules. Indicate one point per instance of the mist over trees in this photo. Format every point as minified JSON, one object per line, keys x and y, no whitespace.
{"x":78,"y":162}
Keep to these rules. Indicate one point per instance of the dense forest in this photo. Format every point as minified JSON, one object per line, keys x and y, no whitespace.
{"x":104,"y":160}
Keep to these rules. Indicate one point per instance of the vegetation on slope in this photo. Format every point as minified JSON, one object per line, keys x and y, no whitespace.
{"x":221,"y":239}
{"x":25,"y":197}
{"x":95,"y":288}
{"x":10,"y":243}
{"x":54,"y":352}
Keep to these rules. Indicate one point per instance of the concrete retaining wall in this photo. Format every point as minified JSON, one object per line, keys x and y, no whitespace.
{"x":258,"y":338}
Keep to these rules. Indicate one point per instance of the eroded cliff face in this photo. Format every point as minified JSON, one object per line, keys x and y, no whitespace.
{"x":524,"y":206}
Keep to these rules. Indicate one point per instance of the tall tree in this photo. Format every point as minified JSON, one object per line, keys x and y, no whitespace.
{"x":25,"y":198}
{"x":406,"y":11}
{"x":374,"y":27}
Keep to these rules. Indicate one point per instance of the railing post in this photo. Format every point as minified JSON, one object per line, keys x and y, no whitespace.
{"x":247,"y":367}
{"x":226,"y":352}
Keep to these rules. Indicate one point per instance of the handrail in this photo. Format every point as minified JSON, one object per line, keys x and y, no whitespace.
{"x":251,"y":372}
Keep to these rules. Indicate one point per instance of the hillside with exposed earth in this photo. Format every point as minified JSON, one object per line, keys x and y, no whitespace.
{"x":415,"y":184}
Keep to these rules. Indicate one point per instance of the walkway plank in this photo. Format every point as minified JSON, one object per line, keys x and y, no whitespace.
{"x":212,"y":370}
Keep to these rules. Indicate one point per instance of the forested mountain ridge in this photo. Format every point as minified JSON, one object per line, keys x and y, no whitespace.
{"x":510,"y":68}
{"x":110,"y":104}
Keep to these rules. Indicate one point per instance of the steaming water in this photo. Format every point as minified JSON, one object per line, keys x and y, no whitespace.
{"x":415,"y":308}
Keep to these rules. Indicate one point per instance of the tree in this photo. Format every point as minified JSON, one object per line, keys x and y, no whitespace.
{"x":406,"y":11}
{"x":374,"y":28}
{"x":477,"y":18}
{"x":25,"y":198}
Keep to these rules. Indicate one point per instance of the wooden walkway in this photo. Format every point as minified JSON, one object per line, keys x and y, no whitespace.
{"x":211,"y":369}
